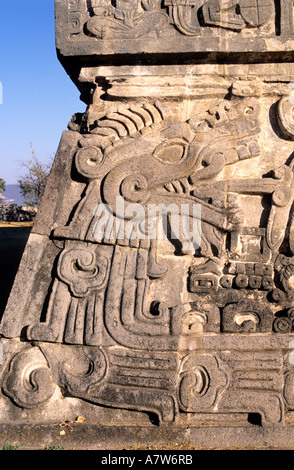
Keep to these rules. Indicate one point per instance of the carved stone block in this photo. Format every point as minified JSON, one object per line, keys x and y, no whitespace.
{"x":158,"y":279}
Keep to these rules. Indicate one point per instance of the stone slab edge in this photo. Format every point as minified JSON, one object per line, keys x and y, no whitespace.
{"x":97,"y":437}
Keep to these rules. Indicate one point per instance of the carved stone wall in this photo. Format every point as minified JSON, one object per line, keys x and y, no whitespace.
{"x":159,"y":274}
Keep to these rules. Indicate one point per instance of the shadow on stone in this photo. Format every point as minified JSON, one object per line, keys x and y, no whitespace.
{"x":12,"y":244}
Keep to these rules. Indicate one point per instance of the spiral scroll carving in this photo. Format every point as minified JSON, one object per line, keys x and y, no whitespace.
{"x":29,"y":382}
{"x":89,"y":161}
{"x":285,"y":116}
{"x":134,"y":188}
{"x":202,"y":380}
{"x":83,"y":270}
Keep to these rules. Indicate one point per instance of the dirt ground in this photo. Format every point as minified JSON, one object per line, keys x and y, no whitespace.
{"x":13,"y":238}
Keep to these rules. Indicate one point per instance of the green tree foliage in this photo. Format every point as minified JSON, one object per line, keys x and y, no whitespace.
{"x":33,"y":183}
{"x":2,"y":185}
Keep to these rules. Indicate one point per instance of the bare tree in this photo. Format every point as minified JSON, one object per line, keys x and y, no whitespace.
{"x":2,"y":186}
{"x":33,"y":183}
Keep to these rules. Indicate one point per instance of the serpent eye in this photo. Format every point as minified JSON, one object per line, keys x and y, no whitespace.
{"x":171,"y":152}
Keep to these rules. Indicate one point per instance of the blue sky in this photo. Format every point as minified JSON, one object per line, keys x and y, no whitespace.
{"x":38,"y":96}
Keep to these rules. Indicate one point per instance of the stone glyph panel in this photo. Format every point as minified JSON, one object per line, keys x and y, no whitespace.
{"x":105,"y":27}
{"x":159,"y":275}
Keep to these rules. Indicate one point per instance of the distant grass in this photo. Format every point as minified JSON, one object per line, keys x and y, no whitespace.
{"x":10,"y":447}
{"x":55,"y":448}
{"x":15,"y":224}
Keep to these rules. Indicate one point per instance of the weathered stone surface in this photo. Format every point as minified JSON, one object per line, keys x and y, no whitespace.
{"x":101,"y":27}
{"x":158,"y":277}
